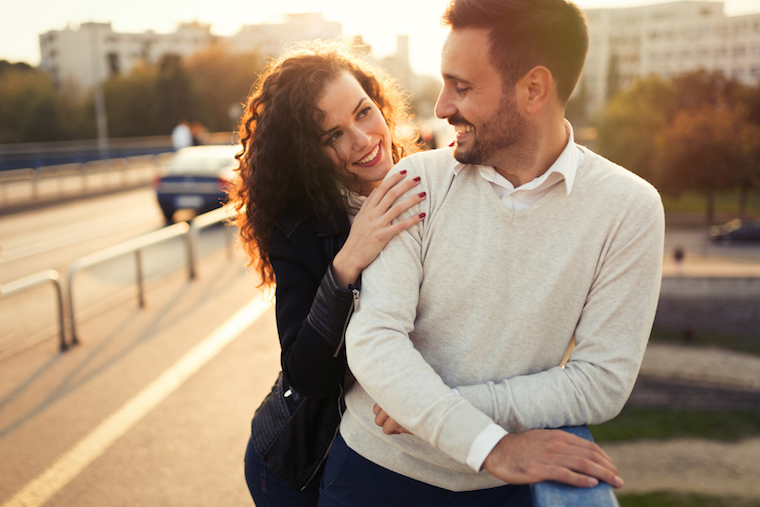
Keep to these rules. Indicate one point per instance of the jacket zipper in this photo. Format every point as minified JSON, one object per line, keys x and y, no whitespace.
{"x":354,"y":307}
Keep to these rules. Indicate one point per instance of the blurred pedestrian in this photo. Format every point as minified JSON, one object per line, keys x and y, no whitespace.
{"x":181,"y":135}
{"x":319,"y":137}
{"x":198,"y":133}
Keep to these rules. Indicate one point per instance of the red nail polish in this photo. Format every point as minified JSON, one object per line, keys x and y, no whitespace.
{"x":452,"y":143}
{"x":402,"y":172}
{"x":421,"y":215}
{"x":417,"y":178}
{"x":422,"y":194}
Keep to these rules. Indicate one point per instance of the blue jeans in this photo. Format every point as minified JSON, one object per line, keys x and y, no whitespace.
{"x":350,"y":480}
{"x":268,"y":490}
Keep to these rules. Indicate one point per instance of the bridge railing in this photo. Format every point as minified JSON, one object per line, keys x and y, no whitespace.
{"x":50,"y":183}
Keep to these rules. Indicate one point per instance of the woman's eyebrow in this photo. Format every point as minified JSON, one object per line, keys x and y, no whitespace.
{"x":361,"y":101}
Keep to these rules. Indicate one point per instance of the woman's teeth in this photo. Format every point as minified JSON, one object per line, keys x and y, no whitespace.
{"x":371,"y":156}
{"x":463,"y":129}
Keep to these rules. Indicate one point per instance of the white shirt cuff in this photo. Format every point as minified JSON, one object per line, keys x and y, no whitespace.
{"x":483,"y":445}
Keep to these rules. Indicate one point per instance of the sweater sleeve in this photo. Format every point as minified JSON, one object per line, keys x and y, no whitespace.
{"x":311,"y":311}
{"x":384,"y":360}
{"x":611,"y":336}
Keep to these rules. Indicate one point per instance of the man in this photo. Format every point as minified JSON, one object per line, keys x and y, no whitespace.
{"x":528,"y":241}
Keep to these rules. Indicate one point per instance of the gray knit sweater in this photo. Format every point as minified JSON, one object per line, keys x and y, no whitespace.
{"x":486,"y":299}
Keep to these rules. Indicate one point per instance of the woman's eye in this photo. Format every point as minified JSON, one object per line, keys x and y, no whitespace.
{"x":364,"y":112}
{"x":333,"y":138}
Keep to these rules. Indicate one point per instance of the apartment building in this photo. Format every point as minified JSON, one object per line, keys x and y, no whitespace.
{"x":93,"y":52}
{"x":664,"y":40}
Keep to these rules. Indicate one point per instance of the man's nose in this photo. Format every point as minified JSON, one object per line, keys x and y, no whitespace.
{"x":444,"y":107}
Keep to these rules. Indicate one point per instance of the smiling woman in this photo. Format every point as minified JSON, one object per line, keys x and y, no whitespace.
{"x":319,"y":137}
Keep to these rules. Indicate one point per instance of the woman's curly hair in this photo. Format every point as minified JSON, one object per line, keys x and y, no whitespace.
{"x":282,"y":168}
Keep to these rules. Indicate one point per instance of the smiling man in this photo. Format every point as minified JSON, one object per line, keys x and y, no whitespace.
{"x":464,"y":318}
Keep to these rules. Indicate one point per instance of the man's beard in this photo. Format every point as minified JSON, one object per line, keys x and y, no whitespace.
{"x":504,"y":130}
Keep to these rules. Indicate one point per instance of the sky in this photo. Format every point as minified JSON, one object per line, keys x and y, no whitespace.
{"x":21,"y":21}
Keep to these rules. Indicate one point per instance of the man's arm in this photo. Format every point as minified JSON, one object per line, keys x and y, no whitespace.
{"x":611,"y":336}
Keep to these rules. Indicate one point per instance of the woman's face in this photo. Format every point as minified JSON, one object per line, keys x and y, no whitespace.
{"x":357,"y":139}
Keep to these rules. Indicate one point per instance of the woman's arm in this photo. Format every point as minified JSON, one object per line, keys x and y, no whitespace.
{"x":314,"y":302}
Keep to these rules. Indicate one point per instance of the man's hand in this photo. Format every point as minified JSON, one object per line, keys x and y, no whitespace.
{"x":540,"y":455}
{"x":390,"y":426}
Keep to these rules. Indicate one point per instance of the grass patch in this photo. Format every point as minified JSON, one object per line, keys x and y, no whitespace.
{"x":728,"y":341}
{"x":635,"y":423}
{"x":671,"y":499}
{"x":725,"y":202}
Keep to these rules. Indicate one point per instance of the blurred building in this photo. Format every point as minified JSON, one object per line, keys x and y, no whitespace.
{"x":665,"y":40}
{"x":93,"y":52}
{"x":272,"y":38}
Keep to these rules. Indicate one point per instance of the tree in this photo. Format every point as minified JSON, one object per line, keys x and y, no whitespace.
{"x":132,"y":103}
{"x":224,"y":80}
{"x":630,"y":121}
{"x":703,"y":150}
{"x":31,"y":109}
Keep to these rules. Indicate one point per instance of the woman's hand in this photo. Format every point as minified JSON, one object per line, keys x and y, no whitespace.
{"x":373,"y":227}
{"x":390,"y":426}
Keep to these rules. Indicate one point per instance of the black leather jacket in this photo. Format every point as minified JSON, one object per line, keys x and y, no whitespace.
{"x":312,"y":310}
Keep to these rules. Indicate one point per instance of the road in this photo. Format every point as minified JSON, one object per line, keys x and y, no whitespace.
{"x":53,"y":237}
{"x":154,"y":406}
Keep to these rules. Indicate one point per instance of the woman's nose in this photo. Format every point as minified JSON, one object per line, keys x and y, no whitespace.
{"x":361,"y":139}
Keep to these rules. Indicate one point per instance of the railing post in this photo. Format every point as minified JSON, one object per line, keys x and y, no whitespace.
{"x":30,"y":281}
{"x":190,"y":243}
{"x":139,"y":274}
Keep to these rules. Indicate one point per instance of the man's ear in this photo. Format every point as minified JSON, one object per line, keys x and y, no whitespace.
{"x":536,"y":87}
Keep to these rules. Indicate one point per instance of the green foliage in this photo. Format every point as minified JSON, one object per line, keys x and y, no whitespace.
{"x":729,"y":341}
{"x":150,"y":100}
{"x":673,"y":499}
{"x":224,"y":80}
{"x":699,"y":131}
{"x":635,"y":423}
{"x":31,"y":109}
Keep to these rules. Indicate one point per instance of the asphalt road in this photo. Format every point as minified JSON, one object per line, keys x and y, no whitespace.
{"x":152,"y":408}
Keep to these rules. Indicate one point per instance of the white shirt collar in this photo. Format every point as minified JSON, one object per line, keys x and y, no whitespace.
{"x":563,"y":169}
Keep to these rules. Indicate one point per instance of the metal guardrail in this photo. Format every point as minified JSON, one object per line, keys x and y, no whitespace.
{"x":135,"y":246}
{"x":34,"y":280}
{"x":86,"y":172}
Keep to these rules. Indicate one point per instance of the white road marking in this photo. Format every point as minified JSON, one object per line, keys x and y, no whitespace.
{"x":94,"y":444}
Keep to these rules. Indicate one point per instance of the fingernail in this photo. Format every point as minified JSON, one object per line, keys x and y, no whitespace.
{"x":421,"y":215}
{"x":402,"y":171}
{"x":619,"y":482}
{"x":422,"y":194}
{"x":452,"y":143}
{"x":592,"y":482}
{"x":417,"y":178}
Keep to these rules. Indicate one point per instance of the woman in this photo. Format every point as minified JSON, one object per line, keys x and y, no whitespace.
{"x":319,"y":136}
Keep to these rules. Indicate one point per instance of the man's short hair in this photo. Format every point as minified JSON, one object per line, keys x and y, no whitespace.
{"x":527,"y":33}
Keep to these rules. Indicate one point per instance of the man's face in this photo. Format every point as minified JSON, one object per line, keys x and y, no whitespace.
{"x":473,"y":100}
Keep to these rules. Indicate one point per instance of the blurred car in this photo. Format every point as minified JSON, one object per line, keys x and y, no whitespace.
{"x":735,"y":230}
{"x":195,"y":178}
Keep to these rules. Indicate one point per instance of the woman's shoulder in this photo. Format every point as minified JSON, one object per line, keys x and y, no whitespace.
{"x":307,"y":221}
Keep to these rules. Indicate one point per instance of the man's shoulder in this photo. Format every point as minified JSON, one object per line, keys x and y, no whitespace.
{"x":440,"y":162}
{"x":613,"y":179}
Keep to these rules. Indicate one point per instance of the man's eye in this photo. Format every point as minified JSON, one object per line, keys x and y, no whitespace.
{"x":461,"y":90}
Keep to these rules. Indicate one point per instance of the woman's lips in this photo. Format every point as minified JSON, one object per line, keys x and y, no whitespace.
{"x":370,"y":158}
